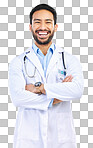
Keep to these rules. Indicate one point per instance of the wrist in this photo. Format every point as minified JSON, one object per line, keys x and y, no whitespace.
{"x":37,"y":84}
{"x":37,"y":88}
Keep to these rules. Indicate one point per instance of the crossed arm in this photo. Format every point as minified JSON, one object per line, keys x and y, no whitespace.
{"x":41,"y":90}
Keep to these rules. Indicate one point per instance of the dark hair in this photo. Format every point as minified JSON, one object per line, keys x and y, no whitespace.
{"x":46,"y":7}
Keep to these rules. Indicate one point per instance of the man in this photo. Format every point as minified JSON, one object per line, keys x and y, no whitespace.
{"x":43,"y":80}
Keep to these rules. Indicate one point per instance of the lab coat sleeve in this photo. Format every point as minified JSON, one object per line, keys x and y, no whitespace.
{"x":68,"y":90}
{"x":19,"y":96}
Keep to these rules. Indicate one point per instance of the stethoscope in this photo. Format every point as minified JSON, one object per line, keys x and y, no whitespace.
{"x":62,"y":72}
{"x":25,"y":57}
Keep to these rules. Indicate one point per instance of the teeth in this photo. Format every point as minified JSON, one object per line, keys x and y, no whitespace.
{"x":43,"y":33}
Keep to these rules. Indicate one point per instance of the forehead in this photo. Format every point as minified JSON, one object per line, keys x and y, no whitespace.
{"x":42,"y":14}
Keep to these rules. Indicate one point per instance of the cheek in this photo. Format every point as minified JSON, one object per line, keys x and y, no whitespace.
{"x":34,"y":27}
{"x":51,"y":26}
{"x":52,"y":30}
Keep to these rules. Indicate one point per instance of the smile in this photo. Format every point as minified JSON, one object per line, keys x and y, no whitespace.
{"x":42,"y":34}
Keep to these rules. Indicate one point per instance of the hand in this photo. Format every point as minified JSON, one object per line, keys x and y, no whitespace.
{"x":37,"y":90}
{"x":67,"y":79}
{"x":56,"y":101}
{"x":42,"y":90}
{"x":32,"y":88}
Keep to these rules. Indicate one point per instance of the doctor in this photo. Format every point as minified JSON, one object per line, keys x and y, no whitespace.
{"x":42,"y":82}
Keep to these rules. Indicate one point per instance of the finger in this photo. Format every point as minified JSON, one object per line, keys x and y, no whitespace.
{"x":68,"y":79}
{"x":39,"y":93}
{"x":57,"y":101}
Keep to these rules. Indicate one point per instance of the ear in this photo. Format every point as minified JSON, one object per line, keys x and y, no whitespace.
{"x":30,"y":27}
{"x":56,"y":26}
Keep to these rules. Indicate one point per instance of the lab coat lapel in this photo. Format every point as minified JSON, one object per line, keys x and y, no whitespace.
{"x":34,"y":59}
{"x":54,"y":59}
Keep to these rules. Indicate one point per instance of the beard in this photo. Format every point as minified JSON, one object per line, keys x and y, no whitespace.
{"x":43,"y":42}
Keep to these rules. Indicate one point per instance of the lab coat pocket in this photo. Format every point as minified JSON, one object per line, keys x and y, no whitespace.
{"x":65,"y":126}
{"x":30,"y":125}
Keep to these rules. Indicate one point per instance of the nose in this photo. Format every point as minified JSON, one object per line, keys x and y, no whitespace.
{"x":43,"y":25}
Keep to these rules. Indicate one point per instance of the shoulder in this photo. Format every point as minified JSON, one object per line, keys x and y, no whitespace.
{"x":69,"y":58}
{"x":19,"y":59}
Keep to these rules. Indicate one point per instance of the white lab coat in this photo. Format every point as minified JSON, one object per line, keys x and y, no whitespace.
{"x":38,"y":126}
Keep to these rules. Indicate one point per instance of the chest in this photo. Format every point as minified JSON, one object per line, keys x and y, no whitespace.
{"x":35,"y":73}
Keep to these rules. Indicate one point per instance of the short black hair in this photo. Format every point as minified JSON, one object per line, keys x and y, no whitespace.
{"x":46,"y":7}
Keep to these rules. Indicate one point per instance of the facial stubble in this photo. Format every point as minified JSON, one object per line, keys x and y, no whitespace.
{"x":43,"y":42}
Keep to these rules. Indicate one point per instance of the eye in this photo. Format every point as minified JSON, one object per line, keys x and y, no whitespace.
{"x":48,"y":22}
{"x":37,"y":22}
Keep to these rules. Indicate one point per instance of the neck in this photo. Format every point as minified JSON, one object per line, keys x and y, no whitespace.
{"x":43,"y":48}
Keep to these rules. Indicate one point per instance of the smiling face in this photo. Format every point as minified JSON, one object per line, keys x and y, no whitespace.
{"x":43,"y":27}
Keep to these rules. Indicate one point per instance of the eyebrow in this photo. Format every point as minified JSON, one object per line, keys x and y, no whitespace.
{"x":49,"y":20}
{"x":36,"y":19}
{"x":45,"y":20}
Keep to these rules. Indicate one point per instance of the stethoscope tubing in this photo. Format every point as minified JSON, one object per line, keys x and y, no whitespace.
{"x":26,"y":68}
